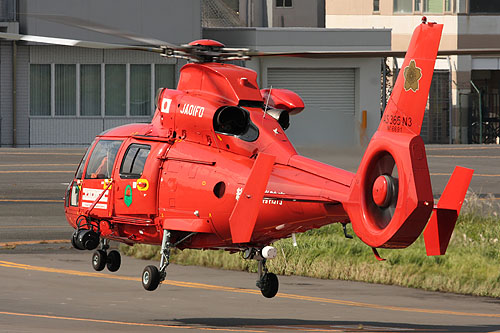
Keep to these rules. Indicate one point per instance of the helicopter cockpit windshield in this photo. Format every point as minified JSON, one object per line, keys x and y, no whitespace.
{"x":102,"y":159}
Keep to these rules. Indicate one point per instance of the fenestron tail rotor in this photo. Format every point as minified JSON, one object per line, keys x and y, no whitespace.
{"x":381,"y":192}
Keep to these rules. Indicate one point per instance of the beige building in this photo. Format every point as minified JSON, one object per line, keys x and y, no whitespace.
{"x":462,"y":84}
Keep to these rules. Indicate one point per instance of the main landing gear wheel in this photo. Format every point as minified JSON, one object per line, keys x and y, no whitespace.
{"x":269,"y":285}
{"x":99,"y":260}
{"x":113,"y":261}
{"x":268,"y":282}
{"x":150,"y":278}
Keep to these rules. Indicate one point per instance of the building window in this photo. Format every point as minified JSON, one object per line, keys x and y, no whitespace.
{"x":447,"y":5}
{"x":90,"y":90}
{"x":40,"y":98}
{"x":77,"y":89}
{"x":140,"y":90}
{"x":376,"y":5}
{"x":484,"y":6}
{"x":417,"y":6}
{"x":116,"y":90}
{"x":164,"y":76}
{"x":433,"y":6}
{"x":65,"y":90}
{"x":283,"y":3}
{"x":403,"y":6}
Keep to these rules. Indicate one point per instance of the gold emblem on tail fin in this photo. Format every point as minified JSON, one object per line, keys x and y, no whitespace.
{"x":412,"y":75}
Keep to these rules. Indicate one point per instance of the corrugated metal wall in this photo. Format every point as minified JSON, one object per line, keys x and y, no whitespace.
{"x":5,"y":92}
{"x":23,"y":97}
{"x":329,"y":97}
{"x":75,"y":132}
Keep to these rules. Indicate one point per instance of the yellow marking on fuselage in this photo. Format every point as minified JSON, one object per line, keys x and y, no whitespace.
{"x":248,"y":291}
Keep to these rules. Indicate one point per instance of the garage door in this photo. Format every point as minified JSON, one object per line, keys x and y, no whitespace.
{"x":329,"y":96}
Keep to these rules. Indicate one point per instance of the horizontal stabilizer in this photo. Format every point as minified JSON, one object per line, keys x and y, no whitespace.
{"x":244,"y":216}
{"x":438,"y":232}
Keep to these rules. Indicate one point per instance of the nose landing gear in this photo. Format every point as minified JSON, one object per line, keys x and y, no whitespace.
{"x":101,"y":258}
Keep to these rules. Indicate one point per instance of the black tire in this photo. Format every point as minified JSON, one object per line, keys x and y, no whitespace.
{"x":270,"y":285}
{"x":73,"y":243}
{"x":150,"y":278}
{"x":99,"y":260}
{"x":114,"y":261}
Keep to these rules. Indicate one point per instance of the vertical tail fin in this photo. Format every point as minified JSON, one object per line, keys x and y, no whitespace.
{"x":405,"y":110}
{"x":391,"y":197}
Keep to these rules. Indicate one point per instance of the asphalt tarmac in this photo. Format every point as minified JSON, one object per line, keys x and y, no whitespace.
{"x":54,"y":289}
{"x":47,"y":286}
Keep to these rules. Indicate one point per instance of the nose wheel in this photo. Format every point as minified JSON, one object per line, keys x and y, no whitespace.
{"x":101,"y":258}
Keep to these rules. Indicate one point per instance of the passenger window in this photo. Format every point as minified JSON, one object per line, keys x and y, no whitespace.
{"x":134,"y":161}
{"x":103,"y":157}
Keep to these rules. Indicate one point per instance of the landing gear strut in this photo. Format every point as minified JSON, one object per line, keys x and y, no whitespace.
{"x":152,"y":276}
{"x":268,"y":282}
{"x":101,"y":258}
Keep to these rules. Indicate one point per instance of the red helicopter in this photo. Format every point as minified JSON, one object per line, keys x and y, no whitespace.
{"x":215,"y":170}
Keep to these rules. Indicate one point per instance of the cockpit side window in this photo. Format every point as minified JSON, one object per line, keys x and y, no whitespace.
{"x":134,"y":161}
{"x":103,"y":157}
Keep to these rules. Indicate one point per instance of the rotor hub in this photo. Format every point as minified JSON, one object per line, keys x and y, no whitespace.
{"x":383,"y":190}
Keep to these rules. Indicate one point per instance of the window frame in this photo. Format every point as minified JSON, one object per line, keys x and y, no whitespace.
{"x":479,"y":13}
{"x":283,"y":4}
{"x":131,"y":175}
{"x":433,"y":13}
{"x":50,"y":102}
{"x":87,"y":174}
{"x":403,"y":13}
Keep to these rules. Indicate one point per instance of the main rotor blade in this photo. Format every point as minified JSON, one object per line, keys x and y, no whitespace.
{"x":365,"y":54}
{"x":101,"y":28}
{"x":75,"y":42}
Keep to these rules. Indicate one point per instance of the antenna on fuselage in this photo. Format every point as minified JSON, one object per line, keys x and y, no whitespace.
{"x":267,"y":102}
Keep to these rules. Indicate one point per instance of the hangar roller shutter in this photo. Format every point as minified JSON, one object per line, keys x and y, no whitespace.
{"x":329,"y":96}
